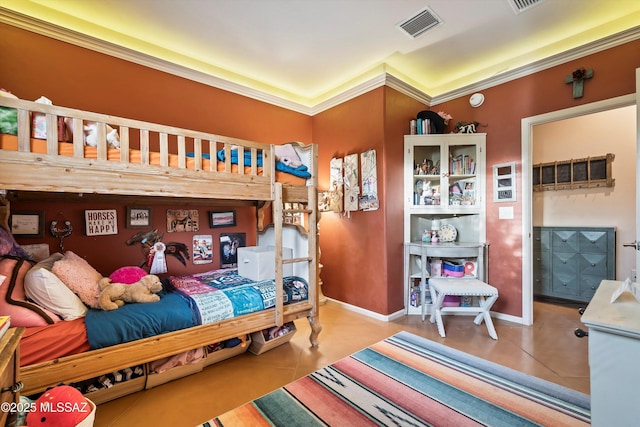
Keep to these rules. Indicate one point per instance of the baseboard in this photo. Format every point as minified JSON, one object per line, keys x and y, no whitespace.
{"x":398,"y":314}
{"x":369,"y":313}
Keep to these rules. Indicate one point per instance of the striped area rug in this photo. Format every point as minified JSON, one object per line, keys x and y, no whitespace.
{"x":406,"y":380}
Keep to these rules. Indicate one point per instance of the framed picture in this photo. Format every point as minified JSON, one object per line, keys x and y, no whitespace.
{"x":229,"y":244}
{"x":138,"y":217}
{"x":181,"y":220}
{"x":222,"y":219}
{"x":202,"y":249}
{"x":27,"y":223}
{"x":100,"y":222}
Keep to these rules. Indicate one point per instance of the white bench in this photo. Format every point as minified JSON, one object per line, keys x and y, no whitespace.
{"x":440,"y":287}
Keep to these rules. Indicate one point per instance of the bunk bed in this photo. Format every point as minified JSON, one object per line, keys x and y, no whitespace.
{"x":159,"y":161}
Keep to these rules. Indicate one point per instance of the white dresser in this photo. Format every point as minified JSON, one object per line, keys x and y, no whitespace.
{"x":614,"y":356}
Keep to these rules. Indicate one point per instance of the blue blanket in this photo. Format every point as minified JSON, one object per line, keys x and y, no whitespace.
{"x":301,"y":171}
{"x":188,"y":301}
{"x":136,"y":321}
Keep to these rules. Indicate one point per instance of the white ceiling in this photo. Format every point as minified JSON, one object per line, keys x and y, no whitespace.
{"x":308,"y":50}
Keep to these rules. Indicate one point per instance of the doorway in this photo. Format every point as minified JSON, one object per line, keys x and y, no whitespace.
{"x":528,"y":125}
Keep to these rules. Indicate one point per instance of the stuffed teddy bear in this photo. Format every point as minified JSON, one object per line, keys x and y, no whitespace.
{"x":114,"y":295}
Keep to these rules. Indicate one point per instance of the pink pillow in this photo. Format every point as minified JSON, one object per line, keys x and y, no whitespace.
{"x":127,"y":275}
{"x":80,"y":277}
{"x":12,"y":298}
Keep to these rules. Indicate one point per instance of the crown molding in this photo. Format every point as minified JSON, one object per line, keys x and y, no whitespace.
{"x":600,"y":45}
{"x":384,"y":79}
{"x":56,"y":32}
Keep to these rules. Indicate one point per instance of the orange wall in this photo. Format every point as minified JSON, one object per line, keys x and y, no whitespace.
{"x":362,"y":254}
{"x":353,"y":254}
{"x":502,"y":112}
{"x":108,"y":252}
{"x":32,"y":66}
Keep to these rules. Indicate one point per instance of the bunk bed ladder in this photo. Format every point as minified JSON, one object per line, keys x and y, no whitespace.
{"x":278,"y":220}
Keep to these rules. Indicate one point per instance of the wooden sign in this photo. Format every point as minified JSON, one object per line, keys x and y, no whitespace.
{"x":100,"y":222}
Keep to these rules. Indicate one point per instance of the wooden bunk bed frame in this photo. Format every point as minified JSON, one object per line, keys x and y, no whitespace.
{"x":77,"y":174}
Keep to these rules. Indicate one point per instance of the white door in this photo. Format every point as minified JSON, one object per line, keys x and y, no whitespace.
{"x":637,"y":172}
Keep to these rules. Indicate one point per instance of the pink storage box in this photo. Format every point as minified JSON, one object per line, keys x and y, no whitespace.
{"x":451,"y":301}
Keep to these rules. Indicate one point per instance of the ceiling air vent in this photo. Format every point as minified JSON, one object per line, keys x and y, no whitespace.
{"x":418,"y":24}
{"x":520,"y":6}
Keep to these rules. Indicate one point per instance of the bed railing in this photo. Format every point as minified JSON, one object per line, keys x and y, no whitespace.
{"x":144,"y":149}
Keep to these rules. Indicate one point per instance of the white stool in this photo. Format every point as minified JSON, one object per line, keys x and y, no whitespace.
{"x":440,"y":287}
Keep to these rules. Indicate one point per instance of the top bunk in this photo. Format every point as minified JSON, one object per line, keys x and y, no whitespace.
{"x":48,"y":148}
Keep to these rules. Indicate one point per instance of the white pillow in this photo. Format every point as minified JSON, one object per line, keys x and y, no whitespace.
{"x":48,"y":291}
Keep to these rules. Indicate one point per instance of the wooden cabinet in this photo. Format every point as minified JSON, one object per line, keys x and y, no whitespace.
{"x":444,"y":192}
{"x":570,"y":262}
{"x":9,"y":370}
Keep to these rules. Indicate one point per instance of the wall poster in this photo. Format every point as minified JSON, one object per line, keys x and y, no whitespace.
{"x":335,"y":186}
{"x":351,"y":189}
{"x":369,"y":199}
{"x":202,"y":249}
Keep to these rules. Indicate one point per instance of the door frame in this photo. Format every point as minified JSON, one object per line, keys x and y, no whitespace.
{"x":527,"y":125}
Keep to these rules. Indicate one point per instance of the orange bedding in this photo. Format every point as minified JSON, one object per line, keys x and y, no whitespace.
{"x":10,"y":142}
{"x":44,"y":343}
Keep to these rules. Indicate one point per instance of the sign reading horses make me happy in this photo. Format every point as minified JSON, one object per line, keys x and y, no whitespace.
{"x":100,"y":222}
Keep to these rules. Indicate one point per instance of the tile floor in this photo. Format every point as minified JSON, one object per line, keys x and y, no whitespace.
{"x":548,"y":349}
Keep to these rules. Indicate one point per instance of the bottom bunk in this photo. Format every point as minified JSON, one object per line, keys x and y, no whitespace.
{"x":77,"y":367}
{"x":193,"y":312}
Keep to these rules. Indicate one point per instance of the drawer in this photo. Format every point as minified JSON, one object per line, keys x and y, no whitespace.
{"x":565,"y":285}
{"x":541,"y":240}
{"x":565,"y":262}
{"x":594,"y":264}
{"x":588,"y":286}
{"x":541,"y":262}
{"x":564,"y":241}
{"x":593,"y":242}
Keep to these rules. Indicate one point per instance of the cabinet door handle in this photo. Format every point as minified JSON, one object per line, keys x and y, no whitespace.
{"x":564,"y":240}
{"x":593,"y":264}
{"x":564,"y":261}
{"x":564,"y":283}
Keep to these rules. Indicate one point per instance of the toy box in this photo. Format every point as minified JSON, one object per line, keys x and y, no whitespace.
{"x":258,"y":262}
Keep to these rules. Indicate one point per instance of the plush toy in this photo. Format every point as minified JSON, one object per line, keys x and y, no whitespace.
{"x":128,"y":275}
{"x":62,"y":406}
{"x":114,"y":295}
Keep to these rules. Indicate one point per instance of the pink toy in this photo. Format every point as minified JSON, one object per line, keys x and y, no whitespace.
{"x":128,"y":275}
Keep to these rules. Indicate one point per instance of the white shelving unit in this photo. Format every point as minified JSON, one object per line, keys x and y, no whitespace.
{"x":444,"y":190}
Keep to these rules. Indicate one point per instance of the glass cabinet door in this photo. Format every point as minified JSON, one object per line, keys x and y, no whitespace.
{"x":462,"y":184}
{"x":427,"y":174}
